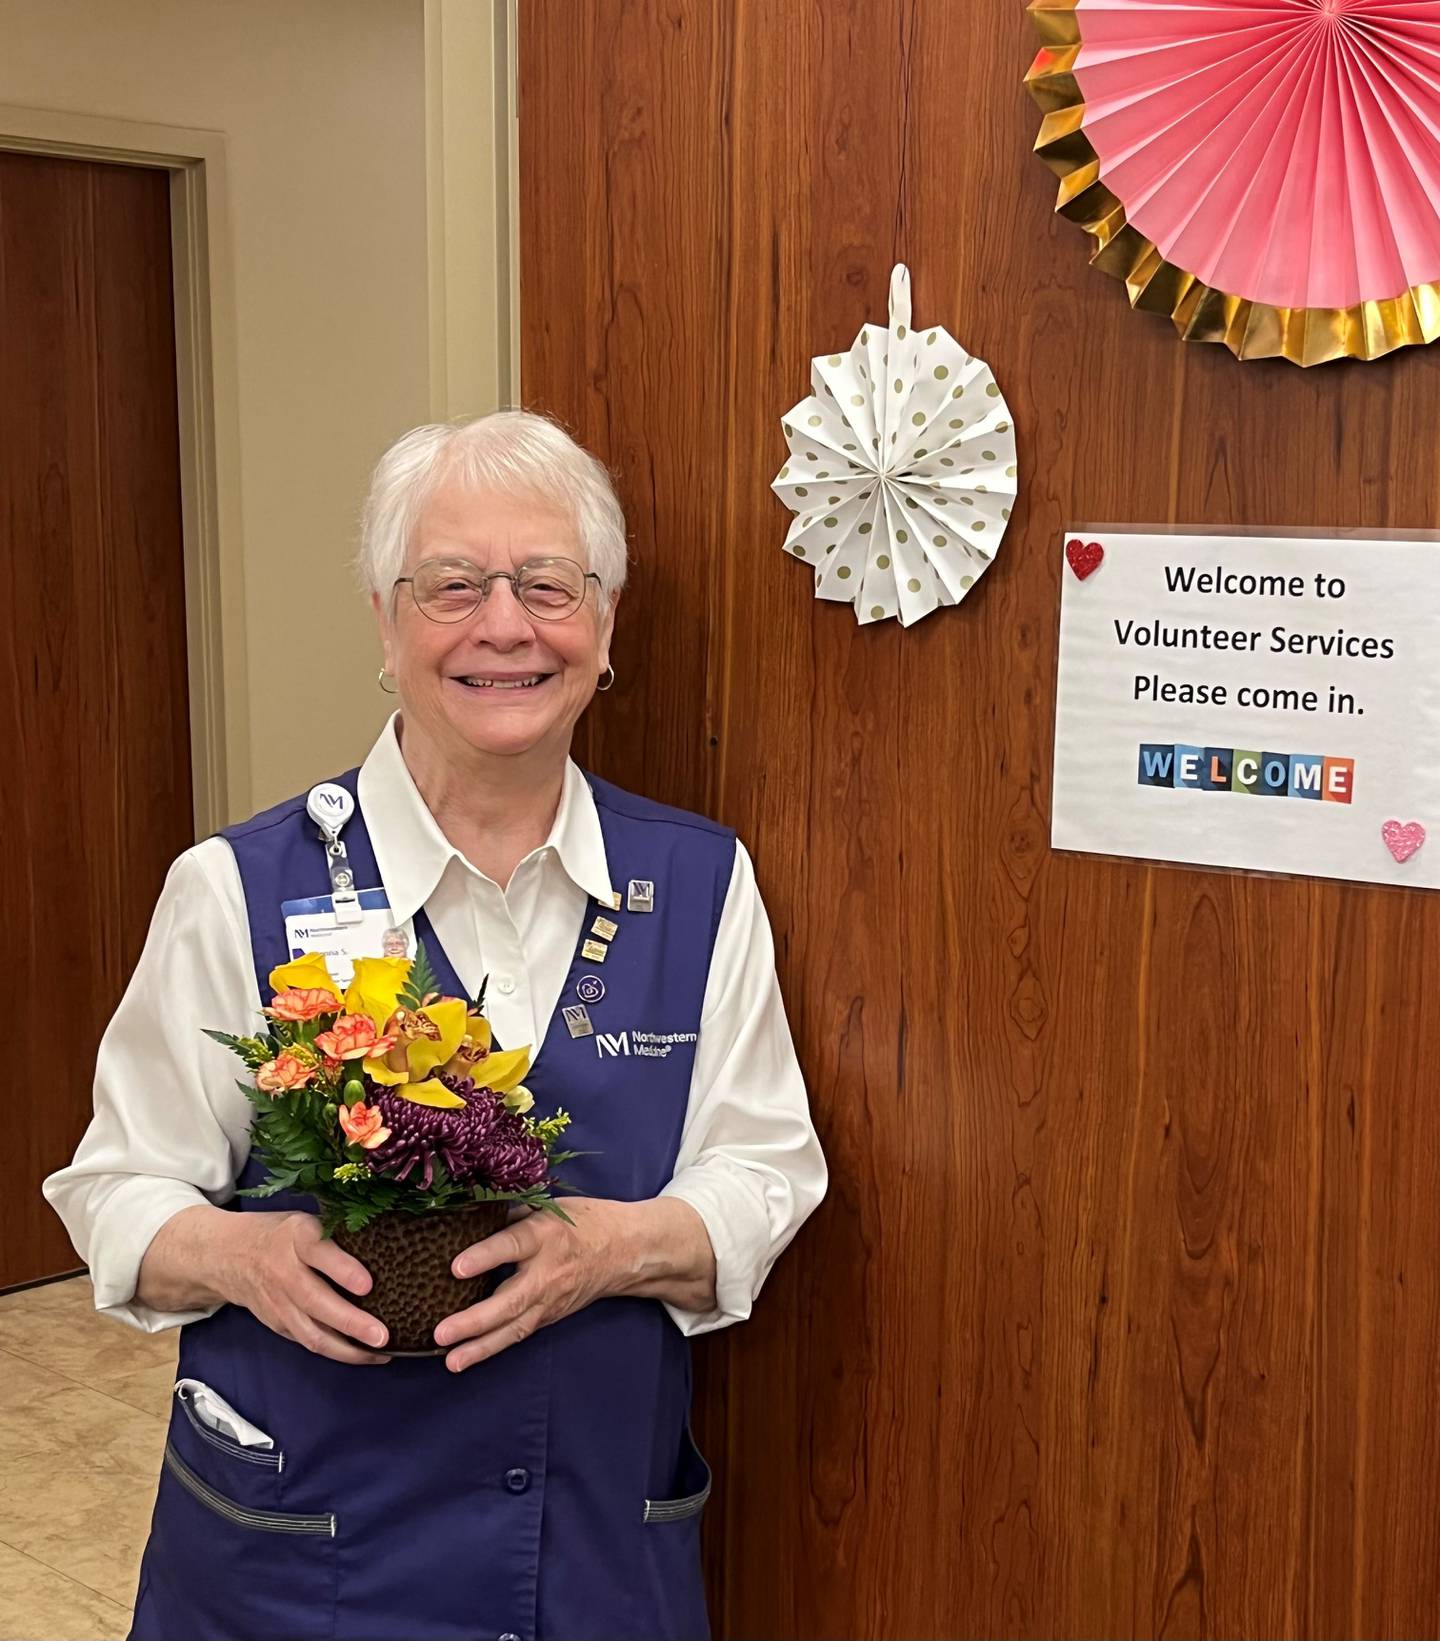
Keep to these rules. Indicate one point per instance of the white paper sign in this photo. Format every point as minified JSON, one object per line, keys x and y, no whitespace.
{"x":1253,"y":701}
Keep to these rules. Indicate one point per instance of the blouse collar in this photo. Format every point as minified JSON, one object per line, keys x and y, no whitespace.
{"x":413,"y":854}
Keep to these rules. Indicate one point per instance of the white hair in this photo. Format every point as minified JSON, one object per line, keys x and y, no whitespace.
{"x":513,"y":451}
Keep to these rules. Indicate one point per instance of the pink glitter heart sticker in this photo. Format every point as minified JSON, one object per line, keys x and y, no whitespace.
{"x":1402,"y":840}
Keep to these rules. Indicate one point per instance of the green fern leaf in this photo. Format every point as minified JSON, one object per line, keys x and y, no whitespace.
{"x":421,"y":981}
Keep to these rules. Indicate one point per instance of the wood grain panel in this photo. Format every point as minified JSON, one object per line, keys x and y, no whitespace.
{"x":1122,"y":1317}
{"x":93,"y":689}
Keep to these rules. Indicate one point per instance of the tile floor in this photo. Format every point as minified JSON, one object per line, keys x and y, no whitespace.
{"x":83,"y":1408}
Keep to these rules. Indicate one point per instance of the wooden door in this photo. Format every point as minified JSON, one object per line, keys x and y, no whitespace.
{"x":93,"y":687}
{"x":1123,"y":1314}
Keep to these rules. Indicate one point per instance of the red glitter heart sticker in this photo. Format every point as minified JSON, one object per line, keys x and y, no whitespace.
{"x":1085,"y":557}
{"x":1402,"y":840}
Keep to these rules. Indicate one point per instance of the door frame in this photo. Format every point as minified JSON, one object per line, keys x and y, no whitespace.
{"x":472,"y":180}
{"x":205,"y":360}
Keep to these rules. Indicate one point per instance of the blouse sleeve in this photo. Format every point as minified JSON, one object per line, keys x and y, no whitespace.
{"x":750,"y":1162}
{"x":171,"y":1127}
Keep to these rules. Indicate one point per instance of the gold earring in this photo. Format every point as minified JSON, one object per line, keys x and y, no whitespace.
{"x":601,"y":688}
{"x":381,"y":681}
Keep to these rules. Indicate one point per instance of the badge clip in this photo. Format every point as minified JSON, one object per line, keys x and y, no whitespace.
{"x":330,"y":807}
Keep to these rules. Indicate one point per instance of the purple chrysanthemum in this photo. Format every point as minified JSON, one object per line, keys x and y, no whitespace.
{"x":483,"y":1144}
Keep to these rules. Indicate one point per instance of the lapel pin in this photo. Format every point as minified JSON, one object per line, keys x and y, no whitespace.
{"x":604,"y":928}
{"x":594,"y":951}
{"x":611,"y":901}
{"x":641,"y":897}
{"x":577,"y":1020}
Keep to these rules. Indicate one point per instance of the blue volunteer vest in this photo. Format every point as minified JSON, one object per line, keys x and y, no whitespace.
{"x":550,"y":1494}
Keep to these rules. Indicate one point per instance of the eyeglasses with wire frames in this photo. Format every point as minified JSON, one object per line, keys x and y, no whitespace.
{"x":452,"y":589}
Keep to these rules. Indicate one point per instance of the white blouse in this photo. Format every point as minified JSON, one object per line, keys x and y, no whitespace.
{"x":171,"y":1128}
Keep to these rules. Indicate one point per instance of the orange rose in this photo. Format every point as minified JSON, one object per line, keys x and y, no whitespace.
{"x":362,"y":1125}
{"x":284,"y":1072}
{"x":302,"y":1003}
{"x":352,"y":1037}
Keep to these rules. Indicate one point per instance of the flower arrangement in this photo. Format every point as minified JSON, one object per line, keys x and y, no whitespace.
{"x":390,"y":1097}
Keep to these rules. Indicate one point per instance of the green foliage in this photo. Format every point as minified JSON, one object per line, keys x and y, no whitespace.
{"x":420,"y":982}
{"x":548,"y":1129}
{"x":284,"y":1181}
{"x":254,"y":1051}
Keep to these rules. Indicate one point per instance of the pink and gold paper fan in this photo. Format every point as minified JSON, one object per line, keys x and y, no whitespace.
{"x":1266,"y":172}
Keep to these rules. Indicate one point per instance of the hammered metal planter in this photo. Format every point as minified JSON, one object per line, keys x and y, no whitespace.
{"x":409,"y":1257}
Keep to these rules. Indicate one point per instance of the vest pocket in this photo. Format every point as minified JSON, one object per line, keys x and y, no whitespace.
{"x":692,"y":1491}
{"x":262,"y":1458}
{"x":230,"y":1570}
{"x":263,"y":1521}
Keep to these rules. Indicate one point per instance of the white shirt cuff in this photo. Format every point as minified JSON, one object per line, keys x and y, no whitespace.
{"x":122,"y":1232}
{"x":731,"y":1206}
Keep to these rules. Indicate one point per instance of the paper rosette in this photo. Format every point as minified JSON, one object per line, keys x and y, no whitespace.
{"x":1266,"y":172}
{"x":902,"y":469}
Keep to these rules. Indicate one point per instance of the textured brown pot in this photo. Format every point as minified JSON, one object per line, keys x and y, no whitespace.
{"x":408,"y":1257}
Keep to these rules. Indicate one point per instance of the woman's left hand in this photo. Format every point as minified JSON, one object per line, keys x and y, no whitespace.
{"x":657,"y":1249}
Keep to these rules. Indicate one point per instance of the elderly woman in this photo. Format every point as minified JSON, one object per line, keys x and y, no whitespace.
{"x":547,"y":1485}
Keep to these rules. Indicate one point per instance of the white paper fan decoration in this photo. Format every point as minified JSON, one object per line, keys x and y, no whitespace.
{"x":902,"y":469}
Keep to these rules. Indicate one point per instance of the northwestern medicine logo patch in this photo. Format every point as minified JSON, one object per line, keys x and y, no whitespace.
{"x":1259,"y":774}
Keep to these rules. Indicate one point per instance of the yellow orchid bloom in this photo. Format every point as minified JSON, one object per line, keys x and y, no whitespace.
{"x":424,"y":1039}
{"x":431,"y":1092}
{"x":474,"y":1046}
{"x":382,"y":1072}
{"x":308,"y":973}
{"x":502,"y":1072}
{"x":519,"y":1100}
{"x":426,"y":1052}
{"x":375,"y":988}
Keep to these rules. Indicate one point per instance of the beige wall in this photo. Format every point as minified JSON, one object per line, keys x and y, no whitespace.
{"x":323,"y":107}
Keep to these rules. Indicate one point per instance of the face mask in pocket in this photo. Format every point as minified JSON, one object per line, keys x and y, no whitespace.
{"x":214,"y":1426}
{"x":215,"y":1413}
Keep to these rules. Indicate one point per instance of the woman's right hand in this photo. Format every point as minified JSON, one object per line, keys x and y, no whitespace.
{"x":270,"y":1263}
{"x":277,"y":1277}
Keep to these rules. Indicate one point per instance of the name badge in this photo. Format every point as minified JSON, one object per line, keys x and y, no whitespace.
{"x":312,"y":926}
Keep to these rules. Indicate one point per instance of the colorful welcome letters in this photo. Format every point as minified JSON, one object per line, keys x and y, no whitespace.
{"x":1236,"y":769}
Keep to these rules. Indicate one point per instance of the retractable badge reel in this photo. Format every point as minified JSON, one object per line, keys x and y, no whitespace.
{"x":330,"y":807}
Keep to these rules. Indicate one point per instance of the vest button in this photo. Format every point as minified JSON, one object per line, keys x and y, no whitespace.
{"x":508,"y":1636}
{"x":517,"y":1481}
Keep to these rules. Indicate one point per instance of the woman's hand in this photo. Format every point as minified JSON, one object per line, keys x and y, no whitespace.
{"x":656,"y":1250}
{"x":270,"y":1263}
{"x":277,"y":1276}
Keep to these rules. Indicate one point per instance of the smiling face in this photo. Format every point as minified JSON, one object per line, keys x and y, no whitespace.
{"x":501,"y":681}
